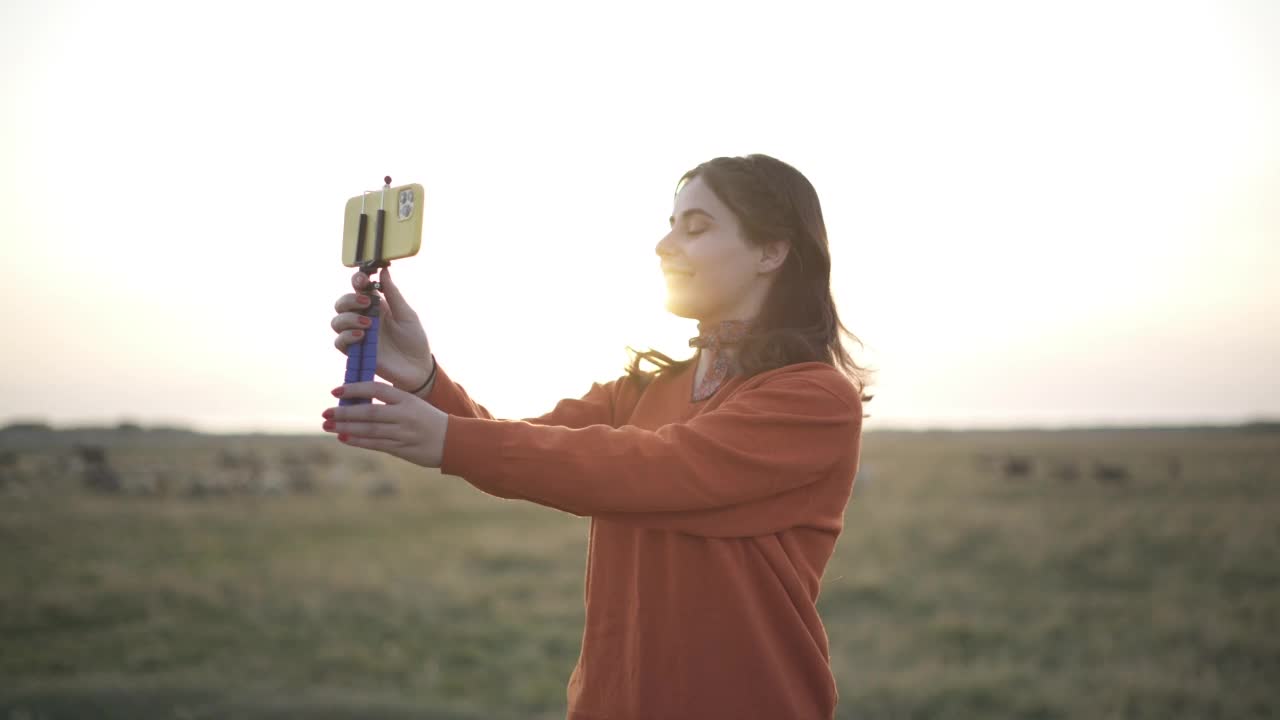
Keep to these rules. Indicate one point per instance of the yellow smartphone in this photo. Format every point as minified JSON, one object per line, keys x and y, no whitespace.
{"x":401,"y":231}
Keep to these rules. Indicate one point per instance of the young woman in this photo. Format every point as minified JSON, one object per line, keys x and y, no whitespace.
{"x":716,"y":485}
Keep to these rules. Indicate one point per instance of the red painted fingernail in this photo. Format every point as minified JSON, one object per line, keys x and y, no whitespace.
{"x":362,"y":299}
{"x":357,"y":333}
{"x":327,"y":413}
{"x":337,"y":392}
{"x":366,"y":321}
{"x":329,"y":425}
{"x":342,"y":437}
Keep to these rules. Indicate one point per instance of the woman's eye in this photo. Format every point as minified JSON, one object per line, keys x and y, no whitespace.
{"x":697,"y":231}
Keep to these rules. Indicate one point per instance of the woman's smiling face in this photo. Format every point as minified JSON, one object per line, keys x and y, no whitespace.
{"x":713,"y":273}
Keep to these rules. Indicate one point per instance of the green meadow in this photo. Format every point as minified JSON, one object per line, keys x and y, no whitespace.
{"x":1070,"y":574}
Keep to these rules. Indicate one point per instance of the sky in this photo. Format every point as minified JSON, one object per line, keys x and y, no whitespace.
{"x":1049,"y":214}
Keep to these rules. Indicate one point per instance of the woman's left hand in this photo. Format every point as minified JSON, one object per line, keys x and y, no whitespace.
{"x":407,"y":426}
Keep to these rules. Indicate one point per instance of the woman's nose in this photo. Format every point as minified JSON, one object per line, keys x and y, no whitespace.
{"x":663,"y":248}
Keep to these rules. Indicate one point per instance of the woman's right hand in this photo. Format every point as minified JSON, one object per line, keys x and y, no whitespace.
{"x":404,"y":356}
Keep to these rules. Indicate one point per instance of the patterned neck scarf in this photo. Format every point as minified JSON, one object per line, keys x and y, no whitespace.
{"x":712,"y":340}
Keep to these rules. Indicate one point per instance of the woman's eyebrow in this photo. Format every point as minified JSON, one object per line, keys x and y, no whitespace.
{"x":691,"y":211}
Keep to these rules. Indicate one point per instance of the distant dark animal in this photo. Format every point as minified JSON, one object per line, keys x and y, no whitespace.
{"x":1016,"y":467}
{"x":98,"y":475}
{"x":92,"y":454}
{"x":8,"y":467}
{"x":1111,"y":474}
{"x":242,"y":471}
{"x":235,"y":461}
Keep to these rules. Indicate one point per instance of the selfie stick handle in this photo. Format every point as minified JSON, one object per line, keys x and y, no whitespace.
{"x":362,"y":356}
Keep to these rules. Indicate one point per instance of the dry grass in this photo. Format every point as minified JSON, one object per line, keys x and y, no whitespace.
{"x":954,"y":592}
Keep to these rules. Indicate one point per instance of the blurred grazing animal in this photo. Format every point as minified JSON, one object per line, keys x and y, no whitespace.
{"x":8,"y":468}
{"x":231,"y":460}
{"x":195,"y":484}
{"x":1110,"y":474}
{"x":98,"y":473}
{"x":246,"y":467}
{"x":8,"y":459}
{"x":1017,"y":467}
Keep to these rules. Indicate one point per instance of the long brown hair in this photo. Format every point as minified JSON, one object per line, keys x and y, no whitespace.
{"x":798,"y":322}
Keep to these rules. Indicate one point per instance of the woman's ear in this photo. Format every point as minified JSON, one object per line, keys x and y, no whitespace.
{"x":772,"y":256}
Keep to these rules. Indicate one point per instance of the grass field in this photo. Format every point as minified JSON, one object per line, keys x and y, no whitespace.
{"x":956,"y":591}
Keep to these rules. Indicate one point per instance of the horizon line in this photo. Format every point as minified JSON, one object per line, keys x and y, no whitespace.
{"x":16,"y":425}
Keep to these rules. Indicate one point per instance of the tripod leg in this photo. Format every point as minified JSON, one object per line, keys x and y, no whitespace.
{"x":355,"y":371}
{"x":362,"y":357}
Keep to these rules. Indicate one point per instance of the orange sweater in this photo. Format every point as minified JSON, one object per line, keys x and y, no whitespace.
{"x":711,"y":524}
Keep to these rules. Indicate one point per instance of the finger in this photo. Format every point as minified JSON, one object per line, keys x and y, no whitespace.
{"x":359,"y":280}
{"x":347,"y":338}
{"x":349,"y":321}
{"x":352,"y":302}
{"x":374,"y":390}
{"x":395,"y":298}
{"x":369,"y":413}
{"x":369,"y":443}
{"x":381,"y":431}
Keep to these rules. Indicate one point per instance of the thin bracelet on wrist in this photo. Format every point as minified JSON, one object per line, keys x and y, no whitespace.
{"x":430,"y":377}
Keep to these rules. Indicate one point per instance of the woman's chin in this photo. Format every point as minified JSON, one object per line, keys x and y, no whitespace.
{"x":676,"y":306}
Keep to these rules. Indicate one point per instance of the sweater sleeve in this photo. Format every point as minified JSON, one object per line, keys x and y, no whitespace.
{"x":596,"y":407}
{"x":782,"y":434}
